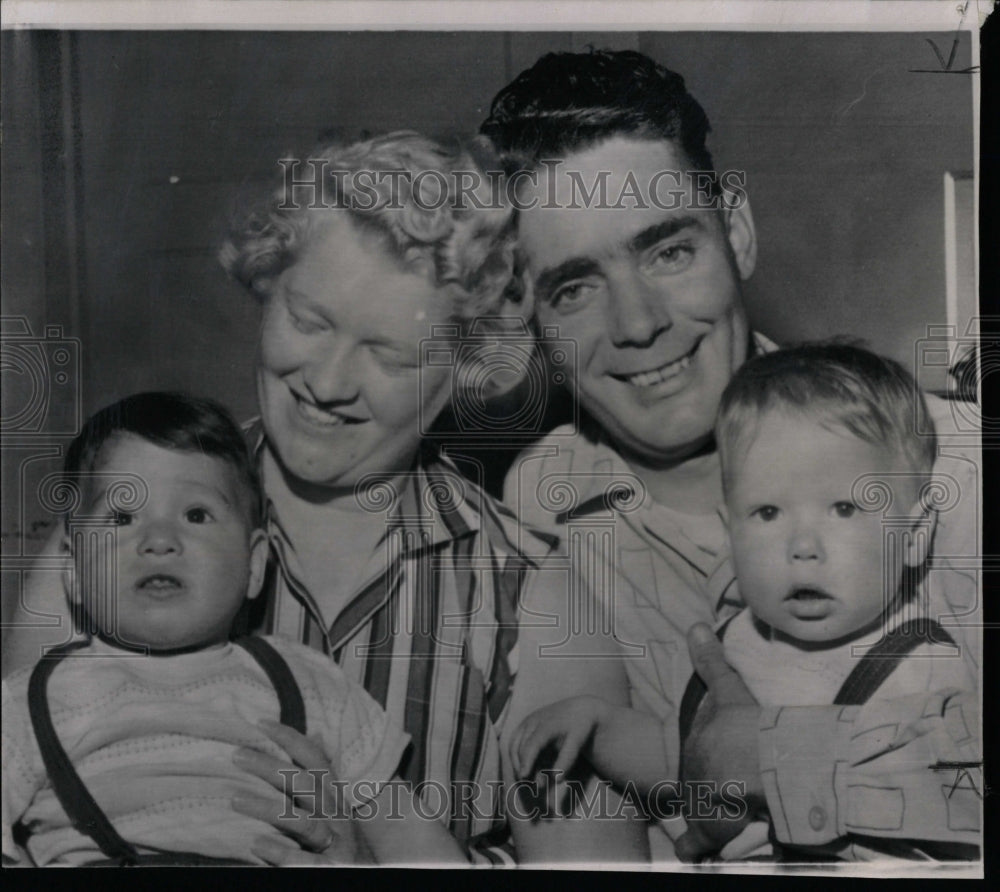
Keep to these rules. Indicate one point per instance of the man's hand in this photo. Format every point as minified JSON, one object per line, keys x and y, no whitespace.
{"x":722,"y":747}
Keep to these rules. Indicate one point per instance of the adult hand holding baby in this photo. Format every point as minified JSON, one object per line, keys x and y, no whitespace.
{"x":314,"y":838}
{"x":321,"y":824}
{"x":722,"y":746}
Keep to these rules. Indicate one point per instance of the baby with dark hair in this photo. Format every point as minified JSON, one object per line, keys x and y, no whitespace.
{"x":118,"y":749}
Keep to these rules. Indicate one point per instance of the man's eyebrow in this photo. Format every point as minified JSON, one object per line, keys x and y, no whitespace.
{"x":578,"y":267}
{"x":660,"y":231}
{"x":573,"y":268}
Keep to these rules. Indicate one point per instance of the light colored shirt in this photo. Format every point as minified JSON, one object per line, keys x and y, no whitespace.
{"x":779,"y":674}
{"x":152,"y":738}
{"x":653,"y":571}
{"x":458,"y":600}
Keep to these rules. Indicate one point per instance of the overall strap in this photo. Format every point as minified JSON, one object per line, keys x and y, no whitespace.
{"x":293,"y":708}
{"x":84,"y":813}
{"x":695,"y":692}
{"x":881,"y":661}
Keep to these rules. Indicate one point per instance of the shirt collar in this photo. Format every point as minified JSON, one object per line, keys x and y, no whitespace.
{"x":435,"y":501}
{"x":608,"y":485}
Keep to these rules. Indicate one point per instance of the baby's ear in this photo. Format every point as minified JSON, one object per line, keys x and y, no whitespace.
{"x":258,"y":563}
{"x":921,"y":533}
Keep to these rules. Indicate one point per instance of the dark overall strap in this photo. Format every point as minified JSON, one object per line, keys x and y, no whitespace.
{"x":84,"y":813}
{"x":879,"y":663}
{"x":695,"y":692}
{"x":868,"y":675}
{"x":293,"y":708}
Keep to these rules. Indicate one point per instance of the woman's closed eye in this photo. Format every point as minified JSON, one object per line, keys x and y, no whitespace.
{"x":306,"y":323}
{"x":302,"y":318}
{"x":392,"y":358}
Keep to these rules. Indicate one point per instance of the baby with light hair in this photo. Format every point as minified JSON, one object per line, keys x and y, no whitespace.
{"x":826,"y":454}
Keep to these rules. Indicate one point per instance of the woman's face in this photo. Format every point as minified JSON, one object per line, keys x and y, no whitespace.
{"x":339,"y":381}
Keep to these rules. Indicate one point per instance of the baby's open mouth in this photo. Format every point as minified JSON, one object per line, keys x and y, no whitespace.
{"x":159,"y":583}
{"x":808,"y":603}
{"x":807,"y":594}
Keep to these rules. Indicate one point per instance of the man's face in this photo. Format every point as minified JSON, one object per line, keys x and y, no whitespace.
{"x":649,"y":291}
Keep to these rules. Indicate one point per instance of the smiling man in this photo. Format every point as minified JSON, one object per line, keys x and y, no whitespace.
{"x":648,"y":289}
{"x":634,"y":250}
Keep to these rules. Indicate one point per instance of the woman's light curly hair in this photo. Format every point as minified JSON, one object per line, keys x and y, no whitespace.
{"x":464,"y":243}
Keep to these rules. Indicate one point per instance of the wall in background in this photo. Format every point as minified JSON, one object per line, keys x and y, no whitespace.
{"x":845,"y":141}
{"x":126,"y":154}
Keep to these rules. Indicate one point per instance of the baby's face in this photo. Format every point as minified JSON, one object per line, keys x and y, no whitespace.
{"x":809,"y":561}
{"x":180,"y":567}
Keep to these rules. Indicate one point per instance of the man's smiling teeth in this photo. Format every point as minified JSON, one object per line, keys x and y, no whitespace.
{"x":658,"y":376}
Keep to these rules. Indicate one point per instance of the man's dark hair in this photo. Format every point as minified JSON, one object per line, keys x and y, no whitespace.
{"x":567,"y":102}
{"x":173,"y":421}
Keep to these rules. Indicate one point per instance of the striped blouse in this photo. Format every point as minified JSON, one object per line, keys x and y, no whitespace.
{"x":431,"y":633}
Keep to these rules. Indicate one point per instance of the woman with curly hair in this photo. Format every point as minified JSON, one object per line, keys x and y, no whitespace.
{"x":381,"y":554}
